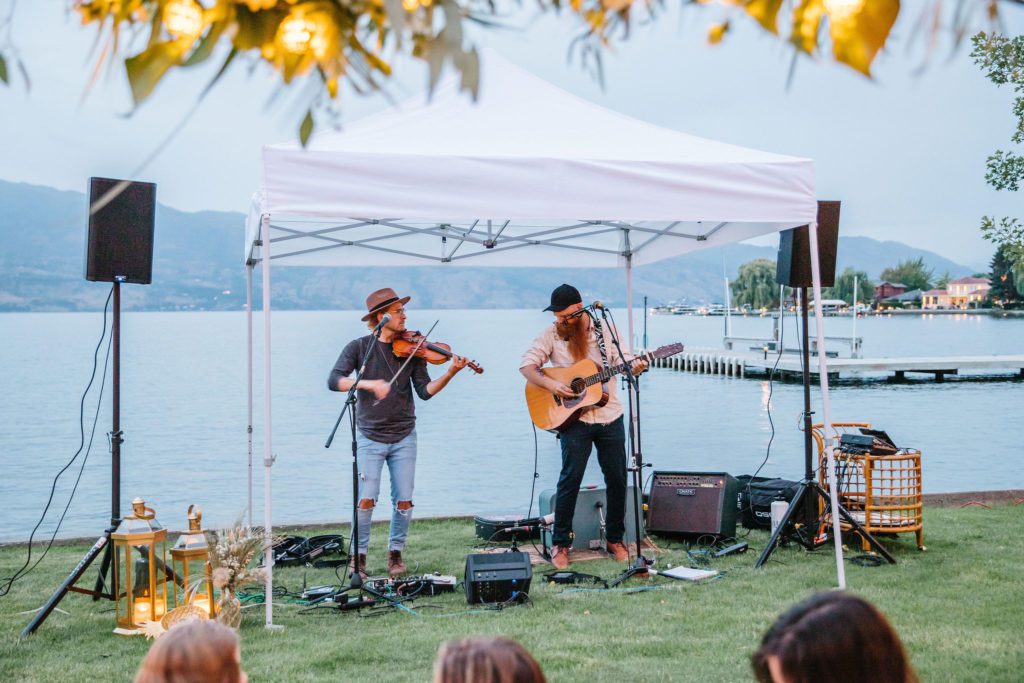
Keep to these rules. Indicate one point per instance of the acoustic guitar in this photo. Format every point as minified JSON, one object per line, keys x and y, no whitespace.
{"x":554,"y":413}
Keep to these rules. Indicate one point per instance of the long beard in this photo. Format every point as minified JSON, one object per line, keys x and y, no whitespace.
{"x":577,"y":333}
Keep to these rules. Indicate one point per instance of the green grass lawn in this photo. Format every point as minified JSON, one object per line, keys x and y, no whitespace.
{"x":959,"y":608}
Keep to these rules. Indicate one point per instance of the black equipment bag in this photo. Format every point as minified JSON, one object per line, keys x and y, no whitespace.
{"x":755,"y":497}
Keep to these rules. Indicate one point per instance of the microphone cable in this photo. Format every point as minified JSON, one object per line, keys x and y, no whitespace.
{"x":22,"y":571}
{"x":768,"y":409}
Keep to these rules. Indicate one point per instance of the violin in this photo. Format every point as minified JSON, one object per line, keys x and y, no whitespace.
{"x":415,"y":343}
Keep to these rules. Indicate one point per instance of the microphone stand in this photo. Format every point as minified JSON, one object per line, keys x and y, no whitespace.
{"x":356,"y":581}
{"x":640,"y":566}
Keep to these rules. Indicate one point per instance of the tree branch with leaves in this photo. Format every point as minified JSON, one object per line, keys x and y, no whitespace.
{"x":1002,"y":60}
{"x":357,"y":41}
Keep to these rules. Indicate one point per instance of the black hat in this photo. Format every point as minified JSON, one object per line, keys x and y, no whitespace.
{"x":563,"y":297}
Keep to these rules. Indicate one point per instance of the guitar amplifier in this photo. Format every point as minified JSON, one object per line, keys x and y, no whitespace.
{"x":588,"y":518}
{"x":498,"y":577}
{"x":692,"y":503}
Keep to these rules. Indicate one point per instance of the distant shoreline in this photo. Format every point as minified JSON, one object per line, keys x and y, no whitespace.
{"x":991,"y":312}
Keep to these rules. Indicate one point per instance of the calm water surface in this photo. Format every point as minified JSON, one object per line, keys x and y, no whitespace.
{"x":183,"y":403}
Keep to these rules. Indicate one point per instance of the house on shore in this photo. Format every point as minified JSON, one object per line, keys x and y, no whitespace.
{"x":963,"y":293}
{"x":884,"y":290}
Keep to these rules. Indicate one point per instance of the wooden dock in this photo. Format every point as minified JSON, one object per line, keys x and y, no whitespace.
{"x":740,"y":364}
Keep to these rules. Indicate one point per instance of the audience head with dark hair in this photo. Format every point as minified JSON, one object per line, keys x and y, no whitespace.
{"x":832,"y":637}
{"x":485,"y":660}
{"x":194,"y":652}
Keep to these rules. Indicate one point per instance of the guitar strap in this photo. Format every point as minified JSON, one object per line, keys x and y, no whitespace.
{"x":600,"y":343}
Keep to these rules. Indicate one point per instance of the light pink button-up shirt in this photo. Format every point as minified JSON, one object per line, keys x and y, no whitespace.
{"x":548,"y":346}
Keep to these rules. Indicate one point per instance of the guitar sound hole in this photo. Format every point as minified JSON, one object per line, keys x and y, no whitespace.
{"x":578,"y":386}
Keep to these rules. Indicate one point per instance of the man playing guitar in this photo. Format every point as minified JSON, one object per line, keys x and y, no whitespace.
{"x":574,"y":336}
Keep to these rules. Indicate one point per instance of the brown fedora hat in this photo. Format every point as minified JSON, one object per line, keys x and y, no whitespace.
{"x":381,"y":299}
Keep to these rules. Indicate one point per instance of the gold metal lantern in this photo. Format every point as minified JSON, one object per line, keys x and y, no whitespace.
{"x":140,"y":569}
{"x":190,"y":558}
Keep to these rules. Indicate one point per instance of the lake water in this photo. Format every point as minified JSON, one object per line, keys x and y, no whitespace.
{"x":183,"y":413}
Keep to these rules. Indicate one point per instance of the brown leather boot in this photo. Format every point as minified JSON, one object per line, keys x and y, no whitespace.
{"x":560,"y":557}
{"x":395,"y":565}
{"x":358,"y":566}
{"x":618,"y":551}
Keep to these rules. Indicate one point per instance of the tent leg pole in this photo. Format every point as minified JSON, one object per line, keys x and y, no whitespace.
{"x":248,"y":317}
{"x":268,"y":458}
{"x":629,"y":301}
{"x":819,"y":322}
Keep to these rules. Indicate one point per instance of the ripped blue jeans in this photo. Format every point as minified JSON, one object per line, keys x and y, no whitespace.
{"x":401,"y":460}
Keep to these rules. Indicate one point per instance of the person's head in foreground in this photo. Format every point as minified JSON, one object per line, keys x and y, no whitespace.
{"x":485,"y":660}
{"x":832,"y":637}
{"x":194,"y":652}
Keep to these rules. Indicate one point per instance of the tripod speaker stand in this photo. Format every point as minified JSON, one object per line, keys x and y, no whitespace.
{"x":800,"y":522}
{"x":119,"y":249}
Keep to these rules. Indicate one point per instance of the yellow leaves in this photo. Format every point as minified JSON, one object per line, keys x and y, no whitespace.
{"x":859,"y":29}
{"x":306,"y":129}
{"x":717,"y":32}
{"x":147,"y":68}
{"x":616,"y":5}
{"x":765,"y":12}
{"x":806,"y":21}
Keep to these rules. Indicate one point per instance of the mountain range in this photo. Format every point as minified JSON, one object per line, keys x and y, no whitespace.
{"x":197,"y":265}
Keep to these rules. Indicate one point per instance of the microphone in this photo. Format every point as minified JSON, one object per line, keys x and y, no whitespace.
{"x":598,"y":306}
{"x":384,"y":320}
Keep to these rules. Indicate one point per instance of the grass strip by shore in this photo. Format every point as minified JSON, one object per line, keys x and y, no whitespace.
{"x":957,"y":606}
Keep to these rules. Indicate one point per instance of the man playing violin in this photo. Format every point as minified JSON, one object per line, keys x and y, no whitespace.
{"x":386,"y":420}
{"x":574,"y":336}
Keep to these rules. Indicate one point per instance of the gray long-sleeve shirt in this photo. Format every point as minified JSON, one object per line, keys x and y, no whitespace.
{"x":393,"y":418}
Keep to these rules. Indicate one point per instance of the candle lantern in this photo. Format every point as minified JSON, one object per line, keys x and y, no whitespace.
{"x":191,"y":561}
{"x":140,"y":569}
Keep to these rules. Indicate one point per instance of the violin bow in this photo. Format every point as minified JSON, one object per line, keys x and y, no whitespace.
{"x":412,"y":354}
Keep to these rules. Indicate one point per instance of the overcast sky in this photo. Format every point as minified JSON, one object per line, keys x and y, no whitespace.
{"x":905,"y":152}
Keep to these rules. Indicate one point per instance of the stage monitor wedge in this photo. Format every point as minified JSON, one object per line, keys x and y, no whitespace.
{"x":793,"y":264}
{"x":120,"y":240}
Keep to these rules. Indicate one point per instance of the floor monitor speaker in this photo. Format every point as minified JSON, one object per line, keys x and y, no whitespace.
{"x":793,"y":264}
{"x":120,"y":242}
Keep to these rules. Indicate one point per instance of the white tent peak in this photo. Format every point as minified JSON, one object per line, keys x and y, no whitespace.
{"x":519,"y":114}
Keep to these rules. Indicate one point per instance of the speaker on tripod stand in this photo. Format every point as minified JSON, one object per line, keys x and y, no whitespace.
{"x":793,"y":268}
{"x":119,"y":248}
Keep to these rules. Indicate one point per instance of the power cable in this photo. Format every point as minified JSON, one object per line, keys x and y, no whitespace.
{"x":25,"y":568}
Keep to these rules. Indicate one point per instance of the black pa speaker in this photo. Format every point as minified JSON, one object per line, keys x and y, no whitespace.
{"x":120,"y":244}
{"x":686,"y":503}
{"x":793,"y":264}
{"x":498,"y":577}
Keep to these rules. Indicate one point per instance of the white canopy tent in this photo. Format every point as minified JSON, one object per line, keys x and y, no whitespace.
{"x":529,"y":175}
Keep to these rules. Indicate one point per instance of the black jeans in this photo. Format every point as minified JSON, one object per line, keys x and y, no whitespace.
{"x":577,"y":442}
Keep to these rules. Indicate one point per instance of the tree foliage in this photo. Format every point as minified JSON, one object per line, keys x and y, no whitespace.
{"x":913,"y":273}
{"x":755,"y":284}
{"x":1007,"y":279}
{"x":1002,"y":60}
{"x":843,"y":288}
{"x":356,"y":41}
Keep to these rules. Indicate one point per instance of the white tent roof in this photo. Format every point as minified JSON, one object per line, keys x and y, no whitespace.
{"x":523,"y":174}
